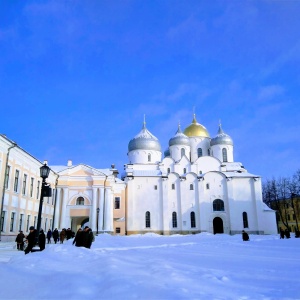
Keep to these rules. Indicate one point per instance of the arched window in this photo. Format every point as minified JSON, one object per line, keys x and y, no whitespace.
{"x":191,"y":186}
{"x":80,"y":201}
{"x":184,"y":170}
{"x":169,"y":170}
{"x":218,"y":205}
{"x":174,"y":219}
{"x":193,"y":220}
{"x":208,"y":152}
{"x":182,"y":152}
{"x":149,"y":157}
{"x":173,"y":186}
{"x":199,"y":151}
{"x":245,"y":220}
{"x":224,"y":155}
{"x":147,"y":219}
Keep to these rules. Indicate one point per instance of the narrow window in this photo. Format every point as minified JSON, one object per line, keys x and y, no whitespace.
{"x":7,"y":177}
{"x":224,"y":154}
{"x":155,"y":187}
{"x":200,"y":172}
{"x":193,"y":220}
{"x":34,"y":223}
{"x":16,"y":181}
{"x":12,"y":221}
{"x":27,"y":223}
{"x":2,"y":220}
{"x":199,"y":151}
{"x":184,"y":171}
{"x":24,"y":184}
{"x":80,"y":201}
{"x":245,"y":220}
{"x":191,"y":187}
{"x":182,"y":152}
{"x":118,"y":230}
{"x":147,"y":219}
{"x":149,"y":157}
{"x":207,"y":186}
{"x":173,"y":186}
{"x":169,"y":170}
{"x":21,"y":222}
{"x":174,"y":219}
{"x":38,"y":190}
{"x":117,"y":202}
{"x":31,"y":186}
{"x":218,"y":205}
{"x":208,"y":152}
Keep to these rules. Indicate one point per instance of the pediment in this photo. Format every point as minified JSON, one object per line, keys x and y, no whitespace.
{"x":80,"y":170}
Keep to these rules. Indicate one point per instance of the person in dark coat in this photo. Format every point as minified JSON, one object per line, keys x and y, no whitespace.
{"x":88,"y":237}
{"x":42,"y":240}
{"x":49,"y":235}
{"x":30,"y":239}
{"x":78,"y":240}
{"x":20,"y":240}
{"x":287,"y":233}
{"x":62,"y":235}
{"x":55,"y":235}
{"x":245,"y":236}
{"x":281,"y":233}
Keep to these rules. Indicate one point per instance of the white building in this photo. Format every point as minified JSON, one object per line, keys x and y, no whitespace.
{"x":196,"y":187}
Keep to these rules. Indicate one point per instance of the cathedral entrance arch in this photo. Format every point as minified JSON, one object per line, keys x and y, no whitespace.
{"x":218,"y":225}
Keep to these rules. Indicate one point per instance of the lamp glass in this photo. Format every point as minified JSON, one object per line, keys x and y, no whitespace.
{"x":44,"y":171}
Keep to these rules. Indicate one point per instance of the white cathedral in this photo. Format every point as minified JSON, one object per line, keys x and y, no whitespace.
{"x":197,"y":187}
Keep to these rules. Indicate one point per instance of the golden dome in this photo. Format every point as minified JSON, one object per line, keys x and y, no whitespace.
{"x":196,"y":129}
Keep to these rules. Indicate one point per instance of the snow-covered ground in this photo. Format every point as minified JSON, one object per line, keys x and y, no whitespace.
{"x":201,"y":266}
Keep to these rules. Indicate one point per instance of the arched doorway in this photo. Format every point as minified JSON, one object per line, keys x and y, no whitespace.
{"x":218,"y":225}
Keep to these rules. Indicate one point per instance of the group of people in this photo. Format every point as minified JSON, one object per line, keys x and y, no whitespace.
{"x":83,"y":238}
{"x":286,"y":233}
{"x":60,"y":236}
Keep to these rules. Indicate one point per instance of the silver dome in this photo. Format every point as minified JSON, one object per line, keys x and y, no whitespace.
{"x":179,"y":139}
{"x":144,"y":140}
{"x":221,"y":139}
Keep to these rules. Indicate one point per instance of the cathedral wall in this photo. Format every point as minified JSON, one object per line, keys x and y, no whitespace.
{"x":142,"y":156}
{"x":217,"y":152}
{"x":199,"y":142}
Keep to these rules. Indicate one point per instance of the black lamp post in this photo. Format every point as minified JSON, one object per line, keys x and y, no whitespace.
{"x":98,"y":210}
{"x":44,"y":173}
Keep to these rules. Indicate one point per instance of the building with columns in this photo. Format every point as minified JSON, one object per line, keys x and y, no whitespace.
{"x":196,"y":187}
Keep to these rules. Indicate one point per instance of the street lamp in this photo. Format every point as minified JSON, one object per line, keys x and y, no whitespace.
{"x":98,"y":210}
{"x":45,"y":191}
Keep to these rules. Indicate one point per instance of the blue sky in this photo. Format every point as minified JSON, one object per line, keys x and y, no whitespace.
{"x":77,"y":77}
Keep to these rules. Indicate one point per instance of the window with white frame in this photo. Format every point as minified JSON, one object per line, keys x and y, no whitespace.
{"x":2,"y":220}
{"x":38,"y":189}
{"x":80,"y":201}
{"x":117,"y":202}
{"x":24,"y":184}
{"x":27,"y":223}
{"x":173,"y":186}
{"x":16,"y":183}
{"x":21,"y":221}
{"x":199,"y":152}
{"x":191,"y":187}
{"x":7,"y":177}
{"x":31,"y":186}
{"x":193,"y":220}
{"x":224,"y":155}
{"x":174,"y":219}
{"x":147,"y":219}
{"x":12,"y":221}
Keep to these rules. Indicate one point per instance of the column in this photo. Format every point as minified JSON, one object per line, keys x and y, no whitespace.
{"x":108,"y":223}
{"x":93,"y":213}
{"x":57,"y":208}
{"x":64,"y":222}
{"x":101,"y":206}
